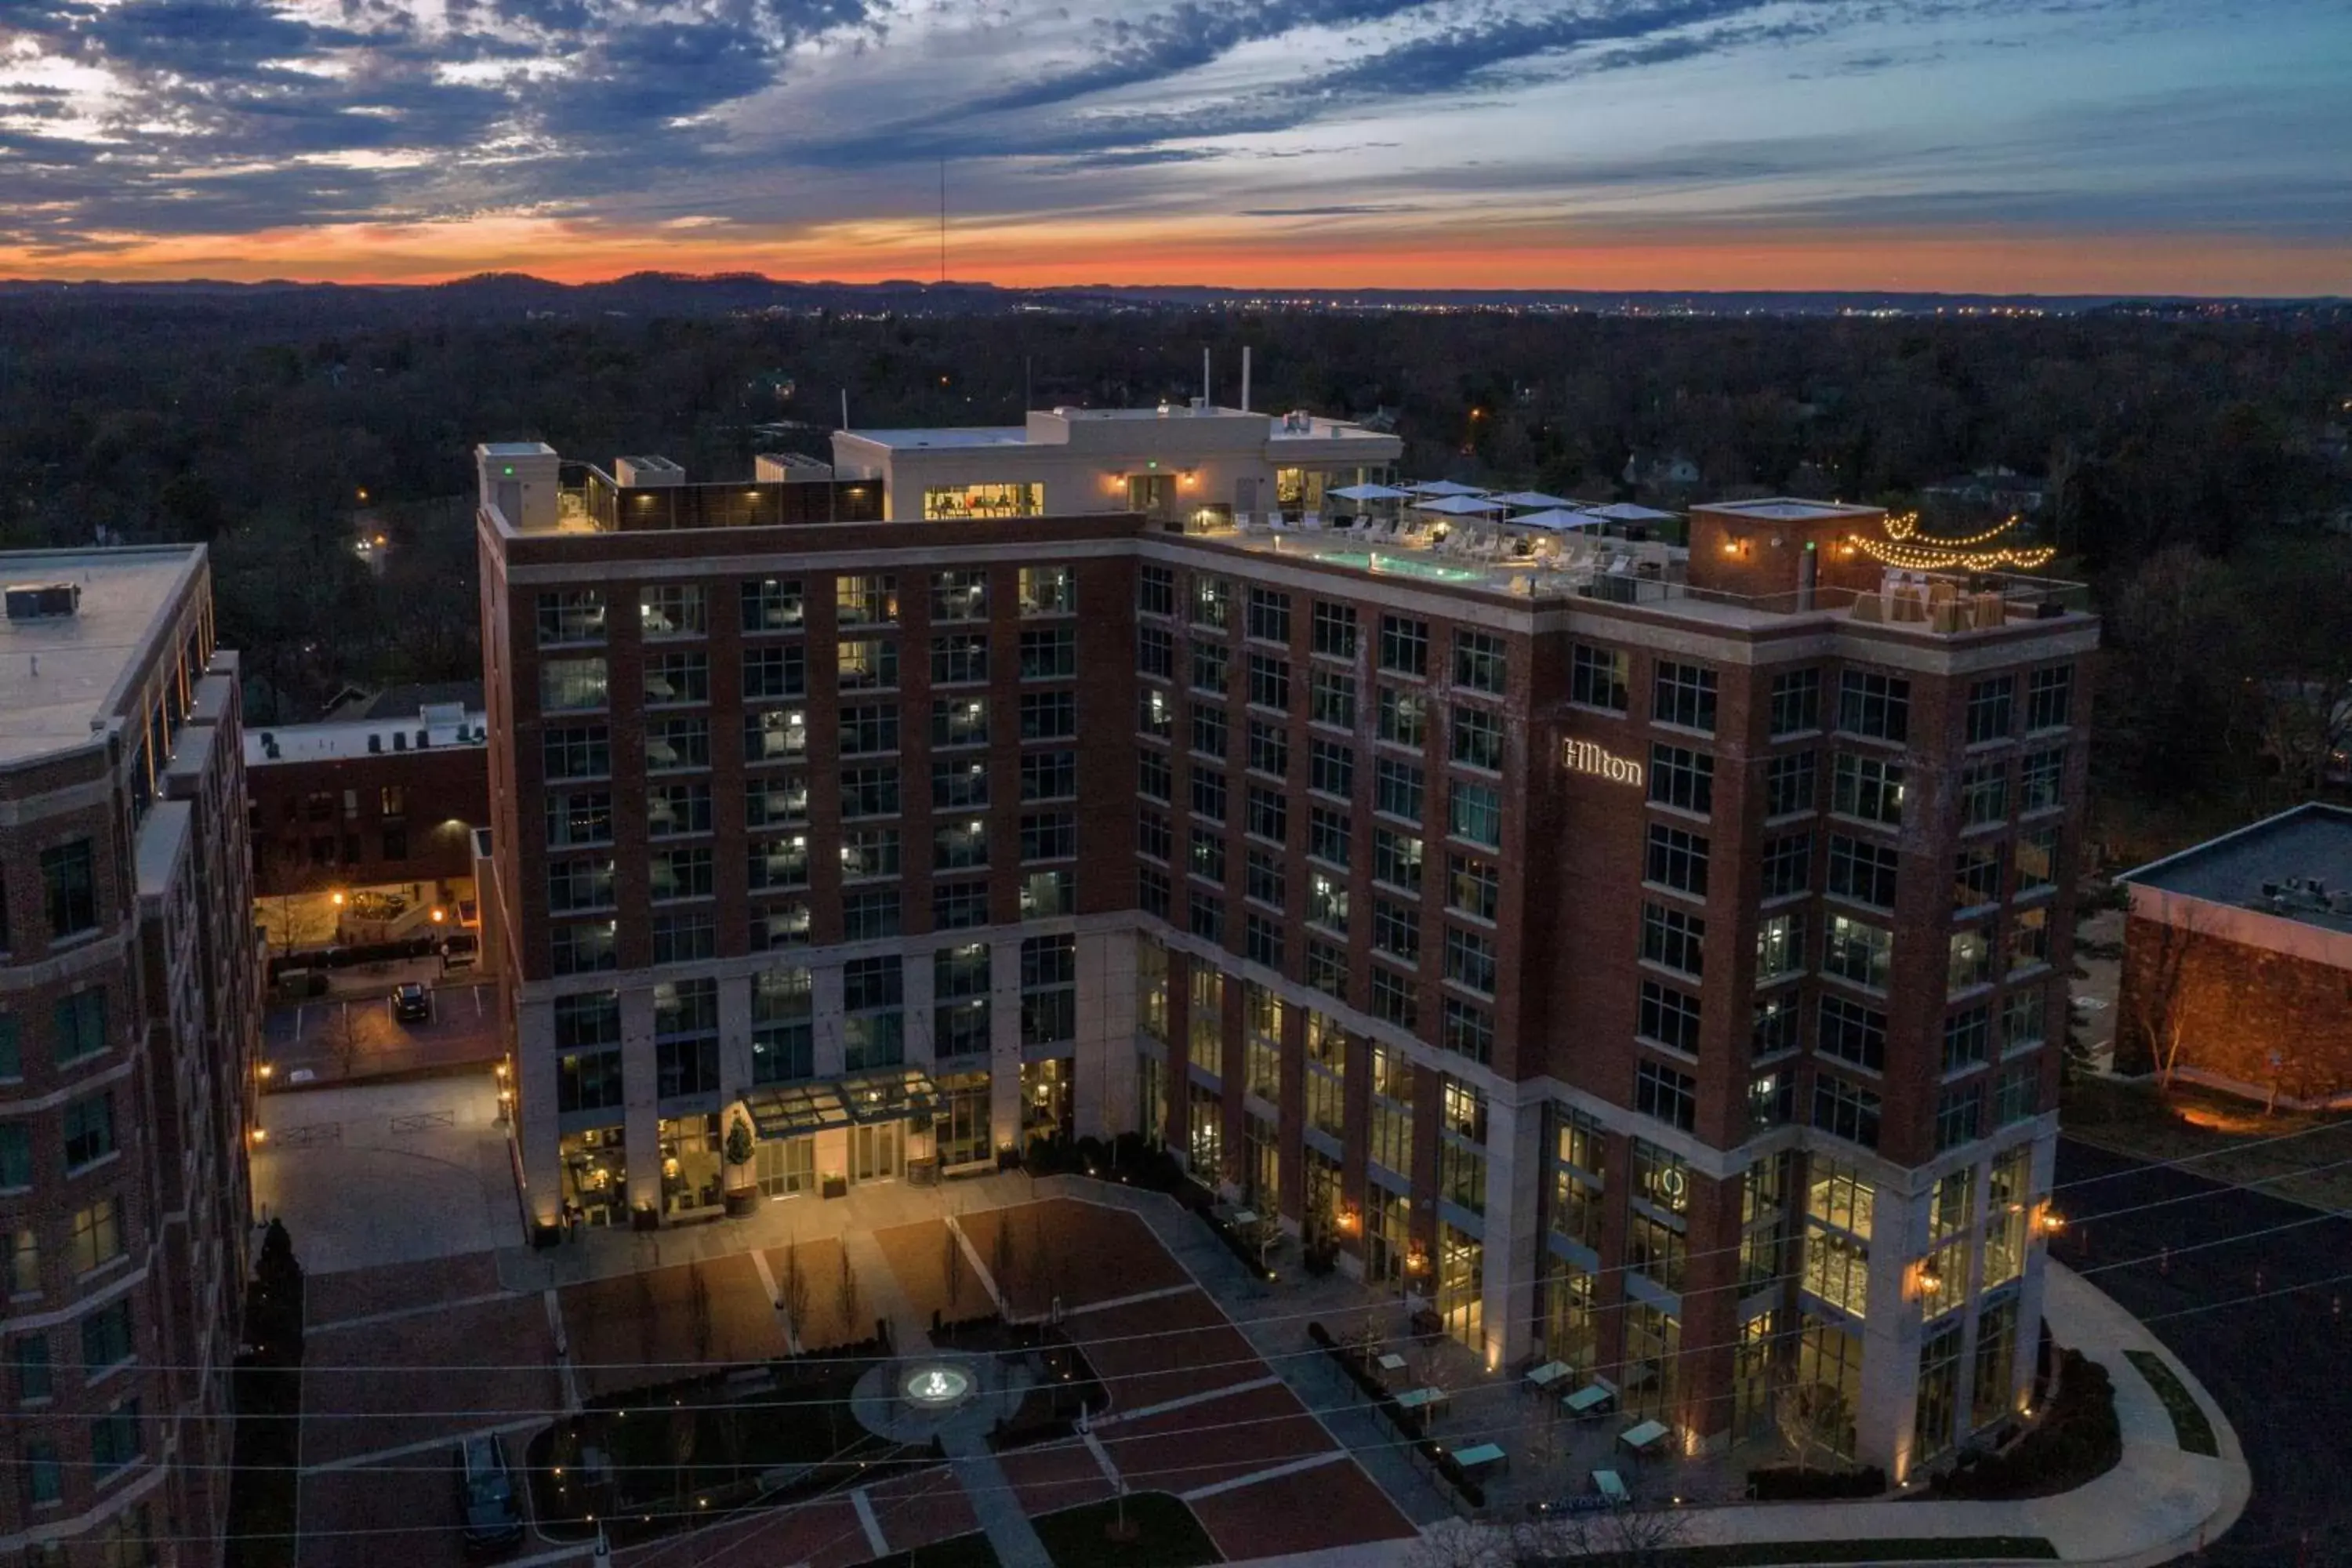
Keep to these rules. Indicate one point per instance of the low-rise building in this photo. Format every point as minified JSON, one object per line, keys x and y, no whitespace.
{"x":2238,"y":961}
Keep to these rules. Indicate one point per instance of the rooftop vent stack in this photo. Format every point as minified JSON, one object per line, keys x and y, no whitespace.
{"x":375,"y":741}
{"x":1245,"y":378}
{"x":400,"y":740}
{"x":1203,"y":402}
{"x":2270,"y":889}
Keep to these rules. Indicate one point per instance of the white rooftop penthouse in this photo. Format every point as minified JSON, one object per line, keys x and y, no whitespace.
{"x":1172,"y":463}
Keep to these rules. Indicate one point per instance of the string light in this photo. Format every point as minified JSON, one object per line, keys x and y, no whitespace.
{"x":1907,"y":548}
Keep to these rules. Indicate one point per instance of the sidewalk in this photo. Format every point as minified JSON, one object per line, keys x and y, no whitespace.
{"x":2157,"y":1505}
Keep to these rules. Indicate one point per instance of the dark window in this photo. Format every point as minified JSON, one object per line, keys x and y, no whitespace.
{"x":1683,"y":694}
{"x":1682,"y":777}
{"x":1478,"y":662}
{"x":1675,"y":938}
{"x":1155,"y":591}
{"x":1677,"y":858}
{"x":589,"y":1080}
{"x":1669,"y":1016}
{"x":1404,"y":645}
{"x":1598,"y":677}
{"x":1335,"y":630}
{"x":1991,"y":705}
{"x":1862,"y":871}
{"x":1875,"y":705}
{"x":1269,"y":615}
{"x":1796,"y":701}
{"x":2048,"y":698}
{"x":1269,"y":749}
{"x":1331,"y":768}
{"x":1051,"y":775}
{"x":1852,"y":1033}
{"x":69,"y":888}
{"x":1667,"y":1095}
{"x":1845,"y":1110}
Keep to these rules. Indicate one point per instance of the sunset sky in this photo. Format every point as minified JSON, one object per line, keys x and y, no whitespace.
{"x":2197,"y":146}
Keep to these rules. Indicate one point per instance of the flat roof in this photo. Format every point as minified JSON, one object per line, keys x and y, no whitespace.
{"x":516,"y":449}
{"x":1787,"y":509}
{"x":946,"y":435}
{"x":2312,"y":841}
{"x":84,"y":656}
{"x":344,"y":738}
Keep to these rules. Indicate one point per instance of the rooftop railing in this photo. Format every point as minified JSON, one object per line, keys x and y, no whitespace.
{"x":589,"y":498}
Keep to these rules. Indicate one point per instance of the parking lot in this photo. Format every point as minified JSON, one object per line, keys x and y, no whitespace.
{"x":335,"y":1039}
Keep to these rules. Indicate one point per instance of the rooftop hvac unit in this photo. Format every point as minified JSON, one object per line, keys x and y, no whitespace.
{"x":42,"y":601}
{"x":400,"y":740}
{"x":375,"y":741}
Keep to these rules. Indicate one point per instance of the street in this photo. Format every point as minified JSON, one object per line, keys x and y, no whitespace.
{"x":2273,"y":1359}
{"x":333,"y":1038}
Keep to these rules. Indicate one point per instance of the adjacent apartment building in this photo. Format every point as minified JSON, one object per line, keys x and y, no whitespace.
{"x":1651,"y":957}
{"x":129,"y":1014}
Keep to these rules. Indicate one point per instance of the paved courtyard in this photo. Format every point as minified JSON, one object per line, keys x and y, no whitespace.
{"x":374,"y":1173}
{"x":405,"y":1358}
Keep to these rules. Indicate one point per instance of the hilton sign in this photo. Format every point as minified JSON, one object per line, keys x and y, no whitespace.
{"x":1584,"y":757}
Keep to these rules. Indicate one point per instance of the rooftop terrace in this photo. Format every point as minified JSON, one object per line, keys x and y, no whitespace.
{"x":62,"y":677}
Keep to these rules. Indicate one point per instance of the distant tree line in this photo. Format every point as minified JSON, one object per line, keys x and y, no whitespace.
{"x":2193,"y":467}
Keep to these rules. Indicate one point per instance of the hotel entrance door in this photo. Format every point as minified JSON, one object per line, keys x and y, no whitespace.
{"x":877,"y":1152}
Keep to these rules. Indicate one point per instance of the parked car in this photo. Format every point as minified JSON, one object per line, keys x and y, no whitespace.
{"x":411,"y":1002}
{"x":486,"y":1497}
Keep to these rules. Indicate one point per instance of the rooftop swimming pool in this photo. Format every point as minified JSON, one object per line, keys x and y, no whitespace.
{"x":1402,"y":566}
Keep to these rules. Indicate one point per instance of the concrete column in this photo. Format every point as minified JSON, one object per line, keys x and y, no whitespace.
{"x":1106,"y":1059}
{"x":1890,"y":1335}
{"x":1514,"y":1168}
{"x":642,"y":1084}
{"x":915,"y":983}
{"x":1004,"y":1041}
{"x":825,"y":1008}
{"x":734,"y":1037}
{"x":539,"y":1133}
{"x":2030,"y":1288}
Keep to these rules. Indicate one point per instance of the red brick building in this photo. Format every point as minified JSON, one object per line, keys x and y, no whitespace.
{"x":1651,"y":957}
{"x":2238,"y":961}
{"x":367,"y":802}
{"x":128,"y":979}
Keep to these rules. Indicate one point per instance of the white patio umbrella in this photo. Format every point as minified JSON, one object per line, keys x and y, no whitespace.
{"x":1557,"y":520}
{"x":1445,"y":487}
{"x":1370,"y":493}
{"x":1626,"y":512}
{"x":1532,"y":500}
{"x":1460,"y":506}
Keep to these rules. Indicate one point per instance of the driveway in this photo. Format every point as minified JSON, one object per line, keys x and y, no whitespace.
{"x":387,"y":1173}
{"x":335,"y":1038}
{"x":2224,"y":1297}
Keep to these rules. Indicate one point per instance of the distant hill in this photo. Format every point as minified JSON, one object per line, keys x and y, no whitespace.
{"x":510,"y":295}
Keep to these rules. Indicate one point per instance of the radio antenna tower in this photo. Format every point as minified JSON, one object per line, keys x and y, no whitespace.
{"x":944,"y":220}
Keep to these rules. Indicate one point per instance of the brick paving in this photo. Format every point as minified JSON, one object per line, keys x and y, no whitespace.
{"x":654,"y":1327}
{"x":824,"y":1325}
{"x":917,"y":1258}
{"x":504,"y":1346}
{"x":403,"y":1512}
{"x":396,"y":1287}
{"x":1216,"y":1440}
{"x":1166,"y":1348}
{"x":1330,"y":1506}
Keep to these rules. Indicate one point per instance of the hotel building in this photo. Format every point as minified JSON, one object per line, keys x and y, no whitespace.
{"x":129,"y":1014}
{"x":1651,"y":959}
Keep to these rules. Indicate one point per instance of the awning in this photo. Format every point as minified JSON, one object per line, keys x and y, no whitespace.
{"x":1557,"y":520}
{"x":1626,"y":512}
{"x":1532,"y":500}
{"x":795,"y":1110}
{"x":798,"y":1109}
{"x":1445,"y":487}
{"x":1369,"y":492}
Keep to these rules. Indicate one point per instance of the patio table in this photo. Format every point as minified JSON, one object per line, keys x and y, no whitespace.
{"x":1483,"y":1456}
{"x":1590,"y":1400}
{"x":1391,"y":1362}
{"x":1429,"y":1400}
{"x":1611,"y":1486}
{"x":1544,"y":1377}
{"x":1645,"y":1436}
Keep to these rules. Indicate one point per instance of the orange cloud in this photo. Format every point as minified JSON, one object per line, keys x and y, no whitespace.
{"x":1337,"y":254}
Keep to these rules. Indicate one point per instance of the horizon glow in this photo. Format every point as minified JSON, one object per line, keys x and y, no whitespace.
{"x":1993,"y":146}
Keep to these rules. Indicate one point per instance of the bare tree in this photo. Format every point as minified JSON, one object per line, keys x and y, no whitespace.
{"x":338,"y":1035}
{"x":1001,"y":1259}
{"x":1623,"y":1537}
{"x":1810,"y":1416}
{"x":845,"y":1294}
{"x":698,"y":1301}
{"x":1458,"y":1543}
{"x":794,"y":1290}
{"x":951,"y":1264}
{"x":2154,"y":984}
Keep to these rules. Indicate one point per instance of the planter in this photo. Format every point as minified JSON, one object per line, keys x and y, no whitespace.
{"x":742,"y":1201}
{"x":836,"y":1186}
{"x":644,"y":1217}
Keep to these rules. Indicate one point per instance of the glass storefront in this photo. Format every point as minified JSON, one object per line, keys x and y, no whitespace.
{"x":690,"y":1166}
{"x":1571,"y":1331}
{"x":1388,"y":1234}
{"x":1204,"y":1132}
{"x":1045,"y":1098}
{"x":786,"y":1166}
{"x":1462,"y":1285}
{"x":596,"y":1176}
{"x":961,"y":1132}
